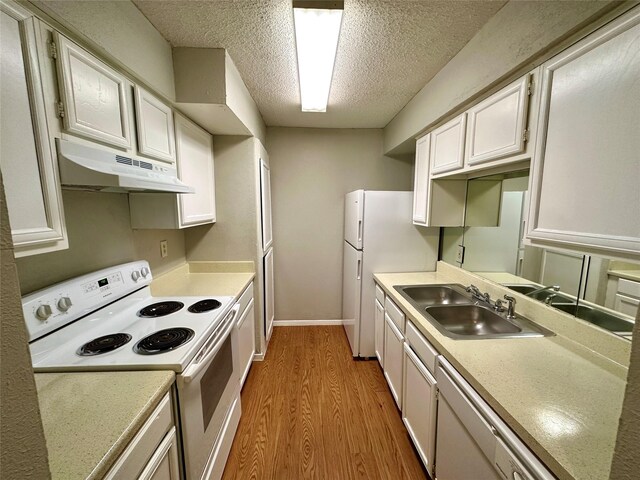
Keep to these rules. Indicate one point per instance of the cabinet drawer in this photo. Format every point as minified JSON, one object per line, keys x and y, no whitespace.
{"x":627,"y":305}
{"x":629,"y":288}
{"x":423,"y":349}
{"x":244,"y":299}
{"x":394,"y":313}
{"x":379,"y":294}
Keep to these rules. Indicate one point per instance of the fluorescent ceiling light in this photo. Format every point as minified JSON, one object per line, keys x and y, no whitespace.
{"x":317,"y":31}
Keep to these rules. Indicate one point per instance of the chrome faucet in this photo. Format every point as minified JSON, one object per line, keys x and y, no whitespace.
{"x":483,"y":297}
{"x":555,"y":288}
{"x":474,"y":291}
{"x":549,"y":299}
{"x":511,"y":308}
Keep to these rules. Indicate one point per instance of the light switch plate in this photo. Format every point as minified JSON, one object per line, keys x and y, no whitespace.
{"x":460,"y":254}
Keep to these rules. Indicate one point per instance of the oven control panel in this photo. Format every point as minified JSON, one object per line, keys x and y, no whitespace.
{"x":62,"y":303}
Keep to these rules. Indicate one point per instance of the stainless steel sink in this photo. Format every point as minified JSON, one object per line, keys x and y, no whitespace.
{"x":521,"y":288}
{"x":424,"y":295}
{"x":471,"y":320}
{"x":527,"y":289}
{"x":456,"y":314}
{"x":597,"y":317}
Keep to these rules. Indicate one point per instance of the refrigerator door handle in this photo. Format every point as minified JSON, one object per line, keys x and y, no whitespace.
{"x":359,"y":274}
{"x":359,"y":231}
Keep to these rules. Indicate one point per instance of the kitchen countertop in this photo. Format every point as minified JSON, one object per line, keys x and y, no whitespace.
{"x":89,"y":418}
{"x":205,"y":278}
{"x":561,"y":398}
{"x":628,"y":274}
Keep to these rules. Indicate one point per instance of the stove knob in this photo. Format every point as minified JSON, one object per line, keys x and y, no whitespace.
{"x":144,"y":272}
{"x":43,"y":312}
{"x":135,"y":275}
{"x":64,"y":304}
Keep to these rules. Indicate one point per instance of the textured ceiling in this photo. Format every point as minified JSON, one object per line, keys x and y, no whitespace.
{"x":388,"y":51}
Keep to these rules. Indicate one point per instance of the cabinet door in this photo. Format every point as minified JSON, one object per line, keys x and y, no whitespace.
{"x":154,"y":122}
{"x":379,"y":332}
{"x":447,"y":146}
{"x":195,"y":168}
{"x":265,"y":193}
{"x":496,"y":126}
{"x":93,"y":96}
{"x":421,"y":181}
{"x":269,"y":298}
{"x":27,"y":158}
{"x":163,"y":465}
{"x":246,"y":341}
{"x":393,"y":342}
{"x":586,"y":170}
{"x":419,"y":406}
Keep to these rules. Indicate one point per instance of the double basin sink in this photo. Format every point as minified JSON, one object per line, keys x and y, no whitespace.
{"x":456,"y":314}
{"x":587,"y":313}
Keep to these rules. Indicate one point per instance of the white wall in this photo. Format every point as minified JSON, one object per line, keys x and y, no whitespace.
{"x":516,"y":36}
{"x":119,"y":29}
{"x":100,"y":235}
{"x":311,"y":170}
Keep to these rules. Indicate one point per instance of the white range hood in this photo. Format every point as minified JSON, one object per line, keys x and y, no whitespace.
{"x":91,"y":168}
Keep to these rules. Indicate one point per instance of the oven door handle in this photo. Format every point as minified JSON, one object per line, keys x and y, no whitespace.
{"x":228,"y":324}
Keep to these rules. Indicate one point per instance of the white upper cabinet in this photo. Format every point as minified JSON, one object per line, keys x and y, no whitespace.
{"x":447,"y":146}
{"x":586,"y":168}
{"x":265,"y":191}
{"x":93,"y":96}
{"x":154,"y":122}
{"x":27,"y":156}
{"x":195,"y":168}
{"x":496,"y":126}
{"x":421,"y":181}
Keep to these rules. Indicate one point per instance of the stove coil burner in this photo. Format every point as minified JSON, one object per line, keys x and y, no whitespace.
{"x":164,"y":341}
{"x":160,"y":309}
{"x":104,"y":344}
{"x":204,"y":306}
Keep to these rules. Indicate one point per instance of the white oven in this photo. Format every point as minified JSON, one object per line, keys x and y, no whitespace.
{"x":207,"y":389}
{"x":108,"y":320}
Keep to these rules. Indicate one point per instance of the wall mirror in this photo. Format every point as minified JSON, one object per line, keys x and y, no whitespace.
{"x":599,"y":290}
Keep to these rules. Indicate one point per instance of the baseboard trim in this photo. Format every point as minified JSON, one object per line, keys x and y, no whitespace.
{"x":305,"y":323}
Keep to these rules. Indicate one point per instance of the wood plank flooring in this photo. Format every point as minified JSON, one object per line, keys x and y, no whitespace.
{"x":310,"y":411}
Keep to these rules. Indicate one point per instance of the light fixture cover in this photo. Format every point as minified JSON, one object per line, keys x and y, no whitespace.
{"x":317,"y":32}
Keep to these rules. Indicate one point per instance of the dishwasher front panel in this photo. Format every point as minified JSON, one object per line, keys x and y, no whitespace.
{"x":458,"y":455}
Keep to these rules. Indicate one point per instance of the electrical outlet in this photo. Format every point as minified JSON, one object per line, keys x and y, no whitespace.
{"x":164,"y":248}
{"x":460,"y":254}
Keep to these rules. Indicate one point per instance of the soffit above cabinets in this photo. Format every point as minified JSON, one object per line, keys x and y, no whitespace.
{"x":388,"y":50}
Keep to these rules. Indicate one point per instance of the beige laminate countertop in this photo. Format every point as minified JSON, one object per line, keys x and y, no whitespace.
{"x":628,"y":274}
{"x":89,"y":418}
{"x":205,"y":278}
{"x":561,"y":398}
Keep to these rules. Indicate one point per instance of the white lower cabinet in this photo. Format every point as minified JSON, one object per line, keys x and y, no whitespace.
{"x":379,"y":332}
{"x":393,"y":358}
{"x":153,"y":452}
{"x":419,"y":400}
{"x":164,"y":463}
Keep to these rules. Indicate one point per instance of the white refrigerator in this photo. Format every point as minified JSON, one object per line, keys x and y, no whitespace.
{"x":379,"y":237}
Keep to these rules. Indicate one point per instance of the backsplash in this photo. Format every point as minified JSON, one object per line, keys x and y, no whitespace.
{"x":100,"y":236}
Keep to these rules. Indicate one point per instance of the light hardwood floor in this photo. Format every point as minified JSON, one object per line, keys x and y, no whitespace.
{"x":310,"y":411}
